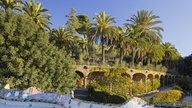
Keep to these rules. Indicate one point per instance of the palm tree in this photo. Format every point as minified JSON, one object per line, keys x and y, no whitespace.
{"x":85,"y":25}
{"x":36,"y":12}
{"x":10,"y":4}
{"x":171,"y":53}
{"x":158,"y":53}
{"x":147,"y":22}
{"x":102,"y":32}
{"x":61,"y":36}
{"x":122,"y":42}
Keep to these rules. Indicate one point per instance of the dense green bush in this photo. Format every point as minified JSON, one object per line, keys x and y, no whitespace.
{"x":184,"y":83}
{"x":28,"y":59}
{"x":139,"y":87}
{"x":157,"y":84}
{"x":104,"y":97}
{"x":114,"y":81}
{"x":177,"y":88}
{"x":167,"y":98}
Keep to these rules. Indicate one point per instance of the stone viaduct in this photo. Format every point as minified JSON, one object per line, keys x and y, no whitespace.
{"x":165,"y":78}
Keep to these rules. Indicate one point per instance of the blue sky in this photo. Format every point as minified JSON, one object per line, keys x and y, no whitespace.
{"x":175,"y":14}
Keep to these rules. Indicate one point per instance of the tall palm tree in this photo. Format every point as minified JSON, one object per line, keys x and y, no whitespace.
{"x":61,"y":36}
{"x":36,"y":12}
{"x":171,"y":53}
{"x":102,"y":32}
{"x":10,"y":4}
{"x":122,"y":42}
{"x":147,"y":21}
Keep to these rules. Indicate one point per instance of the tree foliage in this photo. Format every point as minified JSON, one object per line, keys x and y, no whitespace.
{"x":115,"y":82}
{"x":85,"y":25}
{"x":10,"y":4}
{"x":28,"y":59}
{"x":37,"y":12}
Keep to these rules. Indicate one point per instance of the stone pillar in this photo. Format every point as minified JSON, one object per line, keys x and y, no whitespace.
{"x":167,"y":80}
{"x":163,"y":81}
{"x":131,"y":86}
{"x":174,"y":79}
{"x":153,"y":82}
{"x":146,"y":84}
{"x":85,"y":81}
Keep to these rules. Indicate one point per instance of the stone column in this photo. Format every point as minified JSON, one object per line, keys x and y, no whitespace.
{"x":85,"y":81}
{"x":174,"y":78}
{"x":131,"y":87}
{"x":153,"y":82}
{"x":167,"y":80}
{"x":163,"y":81}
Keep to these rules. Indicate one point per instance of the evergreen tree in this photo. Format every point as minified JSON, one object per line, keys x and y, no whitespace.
{"x":73,"y":22}
{"x":85,"y":25}
{"x":28,"y":59}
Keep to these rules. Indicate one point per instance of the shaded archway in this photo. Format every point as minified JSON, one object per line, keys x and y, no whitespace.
{"x":80,"y":80}
{"x":166,"y":80}
{"x":96,"y":75}
{"x":157,"y":76}
{"x":126,"y":75}
{"x":162,"y":80}
{"x":139,"y":76}
{"x":169,"y":79}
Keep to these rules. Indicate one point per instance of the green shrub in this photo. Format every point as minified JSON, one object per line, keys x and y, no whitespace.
{"x":177,"y":88}
{"x":157,"y":84}
{"x":29,"y":59}
{"x":114,"y":82}
{"x":184,"y":83}
{"x":139,"y":87}
{"x":168,"y":97}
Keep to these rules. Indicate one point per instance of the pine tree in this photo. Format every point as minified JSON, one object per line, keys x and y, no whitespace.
{"x":27,"y":58}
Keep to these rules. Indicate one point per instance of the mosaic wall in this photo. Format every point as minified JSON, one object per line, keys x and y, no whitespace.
{"x":32,"y":93}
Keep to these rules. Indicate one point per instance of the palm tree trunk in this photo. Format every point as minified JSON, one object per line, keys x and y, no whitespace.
{"x":133,"y":57}
{"x":103,"y":51}
{"x":142,"y":60}
{"x":121,"y":55}
{"x":148,"y":61}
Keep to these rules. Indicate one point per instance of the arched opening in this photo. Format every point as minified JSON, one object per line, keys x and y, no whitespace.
{"x":162,"y":80}
{"x":139,"y":76}
{"x":169,"y":79}
{"x":96,"y":75}
{"x":150,"y":77}
{"x":166,"y":80}
{"x":126,"y":75}
{"x":80,"y":80}
{"x":156,"y":76}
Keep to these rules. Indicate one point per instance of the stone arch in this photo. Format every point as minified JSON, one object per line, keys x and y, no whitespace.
{"x":157,"y":76}
{"x":139,"y":76}
{"x":79,"y":73}
{"x":127,"y":75}
{"x":80,"y":80}
{"x":150,"y":77}
{"x":95,"y":75}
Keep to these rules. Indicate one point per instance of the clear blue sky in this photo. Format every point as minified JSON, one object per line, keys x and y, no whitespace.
{"x":175,"y":14}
